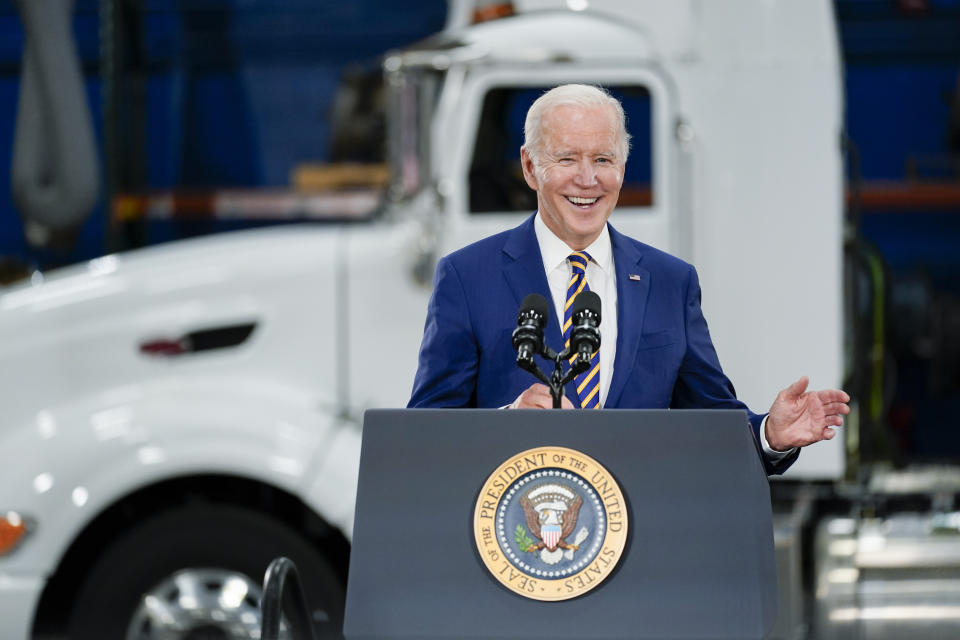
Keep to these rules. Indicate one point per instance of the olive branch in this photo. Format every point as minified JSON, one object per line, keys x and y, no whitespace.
{"x":524,"y":541}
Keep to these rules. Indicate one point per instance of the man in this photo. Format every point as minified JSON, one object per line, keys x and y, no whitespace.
{"x":656,"y":350}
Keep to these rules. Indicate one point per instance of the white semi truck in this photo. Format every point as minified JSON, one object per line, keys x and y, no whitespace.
{"x":176,"y":416}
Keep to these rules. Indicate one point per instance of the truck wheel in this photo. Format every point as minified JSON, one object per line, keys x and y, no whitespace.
{"x":197,"y":573}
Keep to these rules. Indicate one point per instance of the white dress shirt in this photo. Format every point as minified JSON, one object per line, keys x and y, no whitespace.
{"x":602,"y":279}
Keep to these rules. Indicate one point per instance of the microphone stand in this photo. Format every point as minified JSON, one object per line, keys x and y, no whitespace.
{"x":558,"y":379}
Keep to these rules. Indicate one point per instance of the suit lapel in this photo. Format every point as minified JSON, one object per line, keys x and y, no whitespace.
{"x":523,"y":271}
{"x":633,"y":288}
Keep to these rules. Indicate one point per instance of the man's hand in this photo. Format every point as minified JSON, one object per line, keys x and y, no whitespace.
{"x":799,"y":417}
{"x":537,"y":396}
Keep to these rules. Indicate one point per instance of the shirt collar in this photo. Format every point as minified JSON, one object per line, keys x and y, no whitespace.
{"x":555,"y":251}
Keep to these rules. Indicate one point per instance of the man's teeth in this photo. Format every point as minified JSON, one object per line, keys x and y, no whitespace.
{"x":582,"y":200}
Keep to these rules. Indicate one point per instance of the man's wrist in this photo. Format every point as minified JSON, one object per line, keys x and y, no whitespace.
{"x":768,"y":450}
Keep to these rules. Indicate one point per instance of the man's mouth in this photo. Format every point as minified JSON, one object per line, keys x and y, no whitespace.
{"x":581,"y":202}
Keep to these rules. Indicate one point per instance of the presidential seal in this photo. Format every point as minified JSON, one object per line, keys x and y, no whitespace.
{"x":550,"y":523}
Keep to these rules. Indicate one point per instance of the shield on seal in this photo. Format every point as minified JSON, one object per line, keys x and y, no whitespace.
{"x":550,"y":534}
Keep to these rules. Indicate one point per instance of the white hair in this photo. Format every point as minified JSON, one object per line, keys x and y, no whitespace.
{"x":571,"y":95}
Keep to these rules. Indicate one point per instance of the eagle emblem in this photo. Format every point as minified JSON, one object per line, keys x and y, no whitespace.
{"x":551,"y":513}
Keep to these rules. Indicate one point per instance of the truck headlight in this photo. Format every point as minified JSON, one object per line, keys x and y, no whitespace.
{"x":13,"y":529}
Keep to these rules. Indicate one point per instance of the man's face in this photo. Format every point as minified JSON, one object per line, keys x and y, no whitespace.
{"x":580,"y":172}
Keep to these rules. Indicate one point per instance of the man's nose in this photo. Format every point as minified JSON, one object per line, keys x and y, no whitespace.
{"x":586,"y":174}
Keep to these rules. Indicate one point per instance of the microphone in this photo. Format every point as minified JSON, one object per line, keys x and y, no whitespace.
{"x":528,"y":336}
{"x":585,"y":336}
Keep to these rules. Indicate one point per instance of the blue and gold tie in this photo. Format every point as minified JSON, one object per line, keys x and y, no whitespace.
{"x":588,"y":383}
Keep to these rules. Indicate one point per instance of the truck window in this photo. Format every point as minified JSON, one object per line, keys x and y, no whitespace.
{"x":496,"y":179}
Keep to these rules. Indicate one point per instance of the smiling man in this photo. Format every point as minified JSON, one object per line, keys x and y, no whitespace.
{"x":656,"y":350}
{"x":574,"y":159}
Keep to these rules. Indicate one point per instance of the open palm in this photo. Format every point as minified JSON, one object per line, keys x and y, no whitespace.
{"x":799,"y":417}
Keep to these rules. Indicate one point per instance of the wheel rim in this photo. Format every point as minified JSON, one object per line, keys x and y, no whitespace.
{"x":200,"y":604}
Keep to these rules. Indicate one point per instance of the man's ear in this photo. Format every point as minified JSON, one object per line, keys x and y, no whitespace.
{"x":529,"y":173}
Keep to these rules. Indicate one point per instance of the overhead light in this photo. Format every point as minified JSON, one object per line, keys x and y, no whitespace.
{"x":43,"y":482}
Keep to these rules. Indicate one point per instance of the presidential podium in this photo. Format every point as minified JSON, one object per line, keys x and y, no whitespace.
{"x":697,"y":558}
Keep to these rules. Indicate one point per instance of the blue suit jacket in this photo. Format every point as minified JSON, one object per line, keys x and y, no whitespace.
{"x":664,"y":358}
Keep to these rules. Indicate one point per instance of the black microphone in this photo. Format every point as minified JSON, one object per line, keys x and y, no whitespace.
{"x":585,"y":336}
{"x":532,"y":318}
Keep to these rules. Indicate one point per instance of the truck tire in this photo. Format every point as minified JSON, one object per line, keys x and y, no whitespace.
{"x":197,"y":572}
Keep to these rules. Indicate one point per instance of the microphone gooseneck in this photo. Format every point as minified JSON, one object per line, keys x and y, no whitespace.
{"x":585,"y":334}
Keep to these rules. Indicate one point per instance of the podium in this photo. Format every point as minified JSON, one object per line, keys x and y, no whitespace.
{"x":698,"y":561}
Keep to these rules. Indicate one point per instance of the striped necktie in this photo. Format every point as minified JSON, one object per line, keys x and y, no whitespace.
{"x":587,"y":383}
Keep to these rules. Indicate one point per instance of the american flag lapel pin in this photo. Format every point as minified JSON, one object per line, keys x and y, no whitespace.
{"x":634,"y":276}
